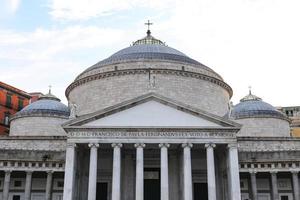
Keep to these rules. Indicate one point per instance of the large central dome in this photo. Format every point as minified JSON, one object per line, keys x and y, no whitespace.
{"x":147,"y":48}
{"x":149,"y":65}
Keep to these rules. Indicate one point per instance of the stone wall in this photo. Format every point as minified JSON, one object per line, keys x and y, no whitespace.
{"x":37,"y":126}
{"x":101,"y":93}
{"x":264,"y":127}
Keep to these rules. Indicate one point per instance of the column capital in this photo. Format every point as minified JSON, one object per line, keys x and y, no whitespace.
{"x":232,"y":145}
{"x":49,"y":171}
{"x":294,"y":171}
{"x":8,"y":171}
{"x":139,"y":145}
{"x":253,"y":172}
{"x":71,"y":145}
{"x":29,"y":172}
{"x":187,"y":145}
{"x":93,"y":145}
{"x":116,"y":145}
{"x":210,"y":145}
{"x":273,"y":172}
{"x":166,"y":145}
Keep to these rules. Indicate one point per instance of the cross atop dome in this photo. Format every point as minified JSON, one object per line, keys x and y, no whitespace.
{"x":149,"y":39}
{"x":148,"y":24}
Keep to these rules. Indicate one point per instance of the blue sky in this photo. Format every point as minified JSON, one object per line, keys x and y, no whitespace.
{"x":248,"y":42}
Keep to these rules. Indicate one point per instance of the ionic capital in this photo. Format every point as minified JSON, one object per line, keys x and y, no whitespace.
{"x":294,"y":171}
{"x":210,"y":145}
{"x":139,"y":145}
{"x":71,"y":145}
{"x":162,"y":145}
{"x":253,"y":172}
{"x":187,"y":145}
{"x":49,"y":171}
{"x":93,"y":145}
{"x":116,"y":145}
{"x":232,"y":146}
{"x":29,"y":172}
{"x":8,"y":171}
{"x":273,"y":172}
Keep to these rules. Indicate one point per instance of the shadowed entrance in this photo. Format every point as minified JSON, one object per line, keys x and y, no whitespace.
{"x":200,"y":191}
{"x":101,"y":191}
{"x":152,"y":184}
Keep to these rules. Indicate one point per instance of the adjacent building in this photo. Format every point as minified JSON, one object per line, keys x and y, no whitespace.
{"x":12,"y":100}
{"x":149,"y":123}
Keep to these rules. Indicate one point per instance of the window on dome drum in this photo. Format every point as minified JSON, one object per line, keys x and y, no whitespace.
{"x":20,"y":104}
{"x":8,"y":101}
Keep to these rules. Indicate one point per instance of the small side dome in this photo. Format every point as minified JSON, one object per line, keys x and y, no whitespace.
{"x":41,"y":118}
{"x":259,"y":119}
{"x":46,"y":105}
{"x":252,"y":106}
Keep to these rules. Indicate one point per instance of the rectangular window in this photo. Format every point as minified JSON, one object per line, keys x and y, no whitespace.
{"x":18,"y":183}
{"x":6,"y":118}
{"x":16,"y":197}
{"x":60,"y":184}
{"x":20,"y":104}
{"x":8,"y":100}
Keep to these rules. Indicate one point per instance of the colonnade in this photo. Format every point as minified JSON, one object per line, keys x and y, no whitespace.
{"x":274,"y":184}
{"x":233,"y":171}
{"x":28,"y":182}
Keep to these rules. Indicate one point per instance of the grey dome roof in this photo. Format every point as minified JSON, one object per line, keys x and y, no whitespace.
{"x":252,"y":106}
{"x":147,"y":48}
{"x":46,"y":105}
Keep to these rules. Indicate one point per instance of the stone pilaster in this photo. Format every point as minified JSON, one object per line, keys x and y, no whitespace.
{"x":233,"y":173}
{"x":6,"y":185}
{"x":28,"y":185}
{"x":164,"y":171}
{"x":116,"y":180}
{"x":296,"y":185}
{"x":187,"y":172}
{"x":49,"y":185}
{"x":93,"y":171}
{"x":139,"y":178}
{"x":275,"y":194}
{"x":253,"y":185}
{"x":69,"y":172}
{"x":211,"y":175}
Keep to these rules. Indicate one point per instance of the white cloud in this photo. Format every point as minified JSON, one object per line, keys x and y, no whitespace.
{"x":9,"y":7}
{"x":33,"y":60}
{"x":86,"y":9}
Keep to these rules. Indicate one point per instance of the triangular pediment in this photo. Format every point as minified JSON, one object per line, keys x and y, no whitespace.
{"x":150,"y":111}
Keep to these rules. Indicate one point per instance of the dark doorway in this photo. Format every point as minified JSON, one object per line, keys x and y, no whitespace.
{"x":152,"y":184}
{"x":101,"y":191}
{"x":200,"y":191}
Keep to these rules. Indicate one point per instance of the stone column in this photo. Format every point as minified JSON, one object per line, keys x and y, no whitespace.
{"x":233,"y":173}
{"x":139,"y":178}
{"x":211,"y":175}
{"x":296,"y":185}
{"x":164,"y":171}
{"x":253,"y":185}
{"x":274,"y":185}
{"x":187,"y":172}
{"x":69,"y":171}
{"x":49,"y":185}
{"x":28,"y":185}
{"x":6,"y":185}
{"x":116,"y":180}
{"x":93,"y":171}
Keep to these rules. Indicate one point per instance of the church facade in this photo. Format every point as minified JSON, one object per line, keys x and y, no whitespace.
{"x":149,"y":123}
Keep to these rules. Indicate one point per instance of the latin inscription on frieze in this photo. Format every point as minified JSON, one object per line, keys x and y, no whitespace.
{"x":152,"y":134}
